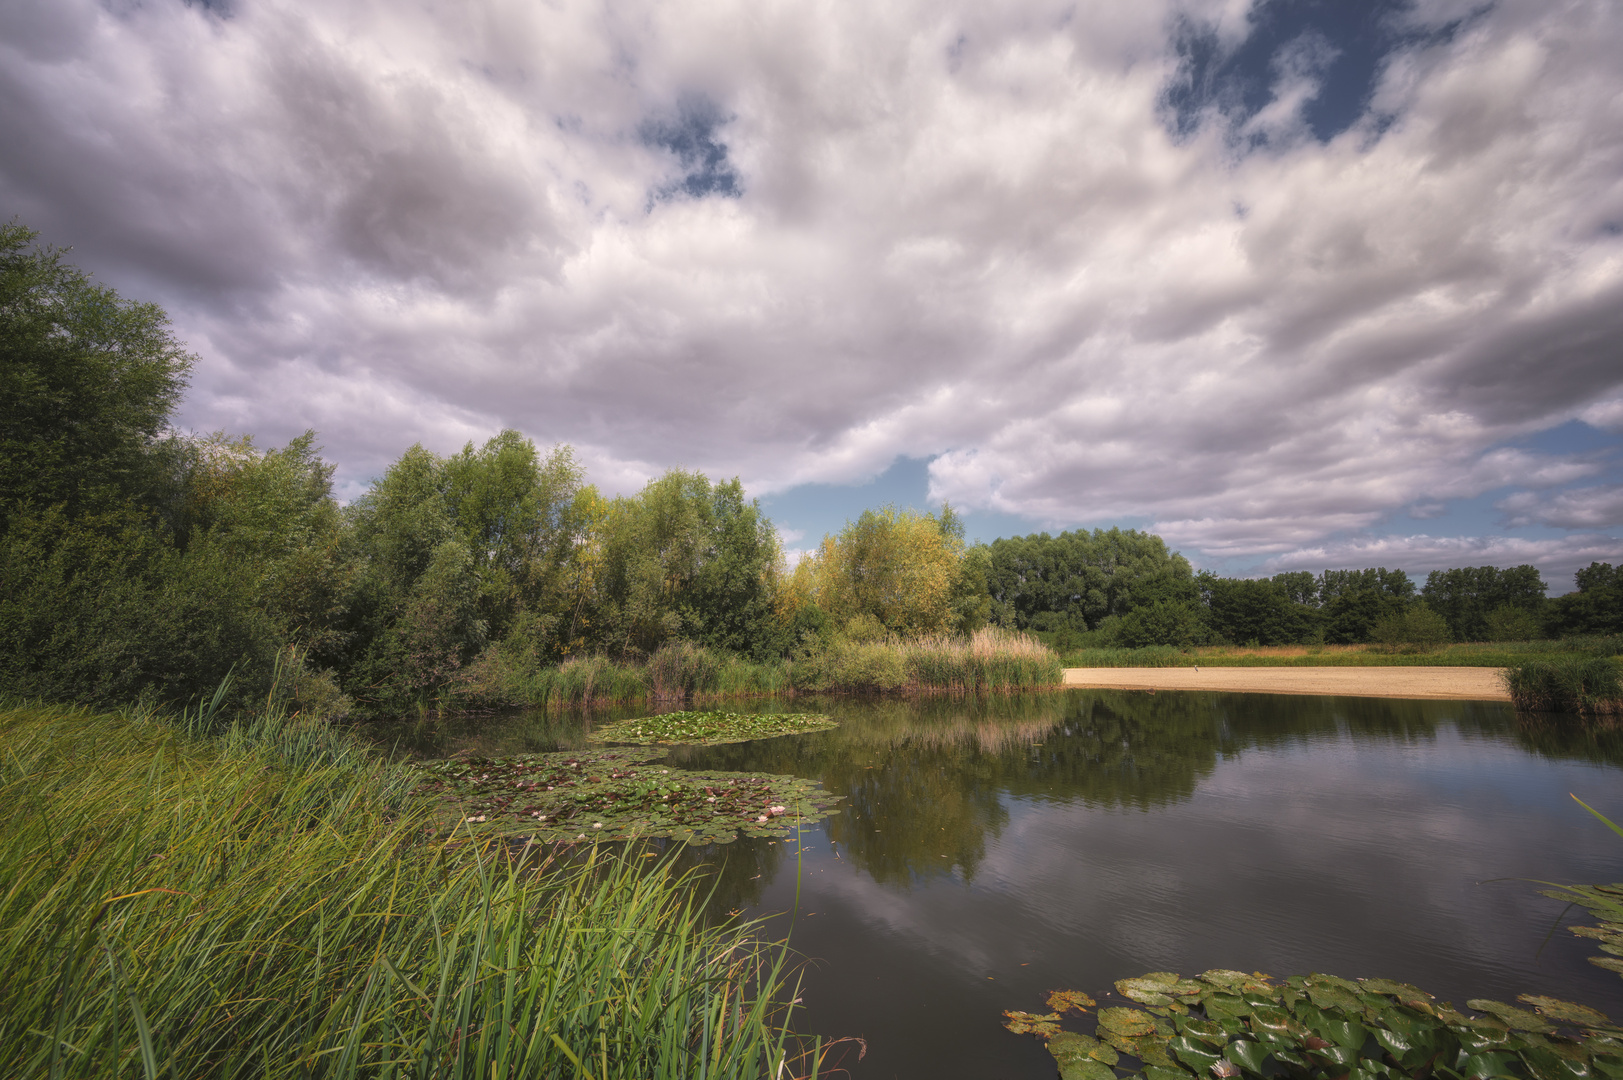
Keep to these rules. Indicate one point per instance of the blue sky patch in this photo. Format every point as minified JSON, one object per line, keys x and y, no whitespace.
{"x":692,"y":137}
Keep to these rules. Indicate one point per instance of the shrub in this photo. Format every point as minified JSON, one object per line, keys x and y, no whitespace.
{"x":1573,"y":684}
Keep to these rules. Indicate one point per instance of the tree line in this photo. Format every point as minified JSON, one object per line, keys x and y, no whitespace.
{"x":140,"y":561}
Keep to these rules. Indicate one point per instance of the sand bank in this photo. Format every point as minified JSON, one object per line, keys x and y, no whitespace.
{"x":1470,"y":683}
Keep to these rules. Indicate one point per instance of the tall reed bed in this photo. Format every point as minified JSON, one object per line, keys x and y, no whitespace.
{"x":991,"y":660}
{"x":189,"y":908}
{"x":1591,"y":685}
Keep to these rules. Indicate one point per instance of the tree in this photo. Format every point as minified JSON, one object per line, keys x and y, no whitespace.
{"x":1353,"y":601}
{"x":88,"y":382}
{"x":1075,"y":580}
{"x":1245,"y":611}
{"x":1466,"y":595}
{"x":897,"y":567}
{"x":1596,"y":607}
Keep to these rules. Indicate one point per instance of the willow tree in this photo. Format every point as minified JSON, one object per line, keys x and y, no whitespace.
{"x":899,"y":568}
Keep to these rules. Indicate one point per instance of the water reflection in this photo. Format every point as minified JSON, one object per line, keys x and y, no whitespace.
{"x":991,"y":850}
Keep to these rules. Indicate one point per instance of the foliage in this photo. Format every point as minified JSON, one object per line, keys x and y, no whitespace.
{"x":1258,"y":612}
{"x":87,"y":384}
{"x":1595,"y":607}
{"x":1571,"y":684}
{"x":992,"y":659}
{"x":900,"y":568}
{"x":1465,"y":596}
{"x":616,"y":795}
{"x":1231,"y":1024}
{"x":238,"y":907}
{"x":1076,"y":579}
{"x":1416,"y":627}
{"x":688,"y":559}
{"x":708,"y":728}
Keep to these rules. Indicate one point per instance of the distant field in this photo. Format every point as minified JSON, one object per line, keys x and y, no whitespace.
{"x":1488,"y":654}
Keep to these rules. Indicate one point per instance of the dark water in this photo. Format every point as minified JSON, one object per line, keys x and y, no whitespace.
{"x":990,"y":851}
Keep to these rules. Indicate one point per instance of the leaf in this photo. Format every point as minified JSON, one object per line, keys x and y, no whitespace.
{"x":1207,"y":1031}
{"x":1225,"y":978}
{"x":1565,"y":1011}
{"x":1484,"y":1065}
{"x":1061,"y":1000}
{"x":1197,"y":1055}
{"x":1246,"y":1054}
{"x":1608,"y":962}
{"x":1512,"y":1017}
{"x":1045,"y":1025}
{"x":1126,"y":1022}
{"x":1072,"y":1044}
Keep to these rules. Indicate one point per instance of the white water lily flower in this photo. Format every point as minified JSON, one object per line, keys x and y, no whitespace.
{"x":761,"y":818}
{"x":597,"y":824}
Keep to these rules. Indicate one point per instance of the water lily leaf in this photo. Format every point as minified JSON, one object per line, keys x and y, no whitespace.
{"x":1246,"y":1054}
{"x":1608,"y":1065}
{"x":1610,"y":963}
{"x":1152,"y":1050}
{"x":1271,"y":1020}
{"x":1320,"y":979}
{"x":1060,"y":1000}
{"x":1330,"y":996}
{"x":1045,"y":1025}
{"x":1145,"y":991}
{"x":1485,"y":1065}
{"x":1226,"y":978}
{"x":1126,"y":1022}
{"x":1162,"y":1072}
{"x":1199,"y":1056}
{"x":1081,"y":1057}
{"x":1512,"y":1017}
{"x":1220,"y":1005}
{"x":1348,"y":1033}
{"x":1565,"y":1011}
{"x":1206,"y":1031}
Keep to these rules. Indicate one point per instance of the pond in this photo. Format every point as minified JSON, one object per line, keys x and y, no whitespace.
{"x":988,"y":851}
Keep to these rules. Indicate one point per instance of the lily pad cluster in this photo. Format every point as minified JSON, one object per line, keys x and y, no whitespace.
{"x":1605,"y":902}
{"x":709,"y":727}
{"x":617,"y":795}
{"x":1227,"y":1024}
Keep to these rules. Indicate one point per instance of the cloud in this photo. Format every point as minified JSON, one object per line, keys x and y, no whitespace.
{"x":1596,"y":507}
{"x":1558,"y":557}
{"x":793,"y":243}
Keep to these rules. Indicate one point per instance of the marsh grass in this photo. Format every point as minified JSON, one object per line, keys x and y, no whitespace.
{"x":1471,"y":654}
{"x":266,"y":904}
{"x":1587,"y":685}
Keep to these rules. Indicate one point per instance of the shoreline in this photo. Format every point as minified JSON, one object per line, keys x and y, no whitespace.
{"x":1445,"y":683}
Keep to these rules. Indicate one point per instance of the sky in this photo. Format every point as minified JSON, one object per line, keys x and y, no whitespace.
{"x":1293,"y":283}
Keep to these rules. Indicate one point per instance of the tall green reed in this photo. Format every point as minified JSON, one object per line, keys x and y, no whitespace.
{"x":218,"y":908}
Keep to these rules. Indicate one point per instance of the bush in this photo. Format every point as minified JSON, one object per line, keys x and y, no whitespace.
{"x":1574,"y":684}
{"x":1414,"y":629}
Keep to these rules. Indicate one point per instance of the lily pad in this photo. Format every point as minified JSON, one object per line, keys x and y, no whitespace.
{"x":1565,"y":1011}
{"x":708,"y":728}
{"x":1512,"y":1017}
{"x":1061,"y":1000}
{"x":1070,"y":1045}
{"x":1024,"y":1023}
{"x":616,"y":795}
{"x":1126,"y":1022}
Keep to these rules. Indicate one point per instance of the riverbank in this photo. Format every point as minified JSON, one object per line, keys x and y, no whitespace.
{"x":1460,"y":683}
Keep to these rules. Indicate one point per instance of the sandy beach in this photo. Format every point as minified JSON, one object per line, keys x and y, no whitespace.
{"x":1468,"y":683}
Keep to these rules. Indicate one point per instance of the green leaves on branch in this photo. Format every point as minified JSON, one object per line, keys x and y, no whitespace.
{"x":1232,"y":1024}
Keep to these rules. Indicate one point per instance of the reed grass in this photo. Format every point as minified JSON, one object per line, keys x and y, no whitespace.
{"x":269,"y":904}
{"x":1587,"y":685}
{"x":1467,"y":654}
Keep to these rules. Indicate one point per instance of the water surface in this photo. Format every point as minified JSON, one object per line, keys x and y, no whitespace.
{"x":991,"y":850}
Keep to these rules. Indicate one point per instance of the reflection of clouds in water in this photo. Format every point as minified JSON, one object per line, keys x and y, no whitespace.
{"x":1361,"y":858}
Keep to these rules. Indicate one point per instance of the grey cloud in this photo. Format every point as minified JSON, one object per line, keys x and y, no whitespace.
{"x":953,"y":231}
{"x":1598,"y":507}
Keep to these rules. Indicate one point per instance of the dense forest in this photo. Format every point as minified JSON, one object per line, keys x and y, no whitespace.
{"x":140,"y":561}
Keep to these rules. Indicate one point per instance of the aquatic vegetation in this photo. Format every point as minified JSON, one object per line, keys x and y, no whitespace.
{"x":249,"y":906}
{"x":617,"y":795}
{"x":1233,"y":1024}
{"x":708,"y":728}
{"x":1573,"y":684}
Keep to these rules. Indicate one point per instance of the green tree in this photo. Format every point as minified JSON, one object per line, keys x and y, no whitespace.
{"x":1245,"y":610}
{"x":1464,"y":596}
{"x":1075,"y":580}
{"x":688,"y":559}
{"x":1353,"y":601}
{"x":900,"y":568}
{"x":1596,"y":607}
{"x":88,"y":382}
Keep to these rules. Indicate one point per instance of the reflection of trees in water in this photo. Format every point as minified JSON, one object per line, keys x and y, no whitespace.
{"x":928,"y":778}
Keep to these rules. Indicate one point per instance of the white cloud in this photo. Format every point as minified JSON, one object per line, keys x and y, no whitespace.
{"x":1558,"y":557}
{"x":963,"y":231}
{"x":1598,"y":507}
